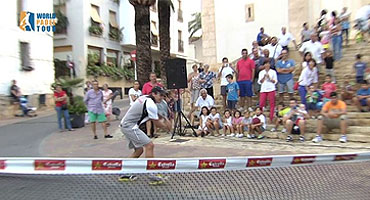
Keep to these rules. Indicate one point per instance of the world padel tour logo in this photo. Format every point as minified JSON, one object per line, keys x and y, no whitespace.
{"x":37,"y":22}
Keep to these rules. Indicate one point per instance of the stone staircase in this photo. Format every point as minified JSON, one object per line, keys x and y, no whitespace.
{"x":358,"y":122}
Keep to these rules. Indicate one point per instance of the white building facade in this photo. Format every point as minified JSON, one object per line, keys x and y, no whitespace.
{"x":89,"y":32}
{"x":25,"y":49}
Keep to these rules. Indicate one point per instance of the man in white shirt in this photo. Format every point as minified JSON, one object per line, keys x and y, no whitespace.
{"x":224,"y":70}
{"x":285,"y":38}
{"x":203,"y":100}
{"x":274,"y":48}
{"x":313,"y":46}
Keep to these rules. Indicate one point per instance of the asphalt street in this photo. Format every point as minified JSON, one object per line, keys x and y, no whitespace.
{"x":24,"y":138}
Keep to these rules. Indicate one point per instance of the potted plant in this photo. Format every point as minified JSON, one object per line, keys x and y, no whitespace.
{"x":77,"y":112}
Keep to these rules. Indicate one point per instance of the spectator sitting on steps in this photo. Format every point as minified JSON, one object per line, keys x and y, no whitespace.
{"x":333,"y":115}
{"x":362,"y":98}
{"x":203,"y":100}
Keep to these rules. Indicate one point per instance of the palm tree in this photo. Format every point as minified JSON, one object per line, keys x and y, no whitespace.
{"x":142,"y":30}
{"x":164,"y":34}
{"x":195,"y":24}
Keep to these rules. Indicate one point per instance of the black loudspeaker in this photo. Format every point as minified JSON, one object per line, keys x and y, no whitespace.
{"x":176,"y":73}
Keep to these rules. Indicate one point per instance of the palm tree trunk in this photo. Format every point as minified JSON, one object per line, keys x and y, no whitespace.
{"x":164,"y":33}
{"x":143,"y":46}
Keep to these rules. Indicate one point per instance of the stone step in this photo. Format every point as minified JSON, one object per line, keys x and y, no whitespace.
{"x":330,"y":137}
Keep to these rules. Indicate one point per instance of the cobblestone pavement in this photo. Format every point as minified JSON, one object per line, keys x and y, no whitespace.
{"x":327,"y":181}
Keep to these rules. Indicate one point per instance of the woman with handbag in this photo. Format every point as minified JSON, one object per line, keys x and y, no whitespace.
{"x":61,"y":106}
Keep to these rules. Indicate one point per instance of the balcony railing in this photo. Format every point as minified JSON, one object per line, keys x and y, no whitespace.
{"x":181,"y":46}
{"x":179,"y":15}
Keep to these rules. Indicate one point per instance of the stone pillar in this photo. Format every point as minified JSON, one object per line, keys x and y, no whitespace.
{"x":209,"y":34}
{"x":298,"y":13}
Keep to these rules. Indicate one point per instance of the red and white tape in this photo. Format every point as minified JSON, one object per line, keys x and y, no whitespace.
{"x":114,"y":165}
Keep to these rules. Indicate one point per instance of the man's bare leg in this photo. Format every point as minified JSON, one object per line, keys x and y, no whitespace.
{"x":93,"y":128}
{"x":104,"y":126}
{"x":149,"y":150}
{"x":137,"y":153}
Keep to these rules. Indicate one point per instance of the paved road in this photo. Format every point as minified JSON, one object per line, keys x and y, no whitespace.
{"x":24,"y":138}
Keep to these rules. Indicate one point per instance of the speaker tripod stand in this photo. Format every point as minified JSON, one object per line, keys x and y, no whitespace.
{"x":177,"y":126}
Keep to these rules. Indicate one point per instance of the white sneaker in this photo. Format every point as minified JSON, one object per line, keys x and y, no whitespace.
{"x":240,"y":135}
{"x":284,"y":130}
{"x":317,"y":139}
{"x":223,"y":135}
{"x":343,"y":139}
{"x":273,"y":130}
{"x":232,"y":135}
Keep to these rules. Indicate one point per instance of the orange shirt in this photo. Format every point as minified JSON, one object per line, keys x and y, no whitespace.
{"x":329,"y":106}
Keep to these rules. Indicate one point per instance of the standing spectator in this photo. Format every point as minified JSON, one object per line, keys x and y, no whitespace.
{"x":344,"y":18}
{"x":148,"y":86}
{"x":194,"y":85}
{"x":225,"y":70}
{"x":360,"y":68}
{"x":274,"y":48}
{"x":325,"y":37}
{"x":261,"y":37}
{"x":107,"y":102}
{"x":285,"y":38}
{"x":285,"y":68}
{"x":207,"y":79}
{"x":322,"y":20}
{"x":336,"y":38}
{"x":363,"y":97}
{"x":258,"y":61}
{"x":15,"y":94}
{"x":305,"y":33}
{"x":259,"y":50}
{"x":203,"y":100}
{"x":306,"y":58}
{"x":267,"y":78}
{"x":333,"y":116}
{"x":296,"y":116}
{"x":134,"y":92}
{"x":328,"y":87}
{"x":308,"y":77}
{"x":88,"y":86}
{"x":61,"y":106}
{"x":329,"y":64}
{"x":94,"y":101}
{"x":333,"y":18}
{"x":233,"y":92}
{"x":313,"y":46}
{"x":266,"y":54}
{"x":245,"y":73}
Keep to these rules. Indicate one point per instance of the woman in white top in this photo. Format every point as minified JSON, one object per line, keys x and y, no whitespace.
{"x":306,"y":58}
{"x":134,"y":92}
{"x":267,"y":78}
{"x":107,"y":102}
{"x":308,"y":77}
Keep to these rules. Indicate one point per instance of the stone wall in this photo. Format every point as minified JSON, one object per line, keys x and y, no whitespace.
{"x":209,"y":33}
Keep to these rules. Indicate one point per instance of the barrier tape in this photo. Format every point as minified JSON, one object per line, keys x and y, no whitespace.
{"x":113,"y":165}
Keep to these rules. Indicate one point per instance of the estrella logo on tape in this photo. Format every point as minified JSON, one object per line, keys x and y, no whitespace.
{"x":345,"y":157}
{"x":212,"y":164}
{"x":38,"y":22}
{"x":303,"y":159}
{"x":107,"y":165}
{"x":259,"y":162}
{"x":160,"y":164}
{"x":2,"y":164}
{"x":50,"y":164}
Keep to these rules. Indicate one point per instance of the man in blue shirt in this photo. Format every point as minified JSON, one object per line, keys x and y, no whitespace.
{"x":363,"y":97}
{"x":285,"y":68}
{"x":261,"y":35}
{"x":233,"y":92}
{"x":360,"y":68}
